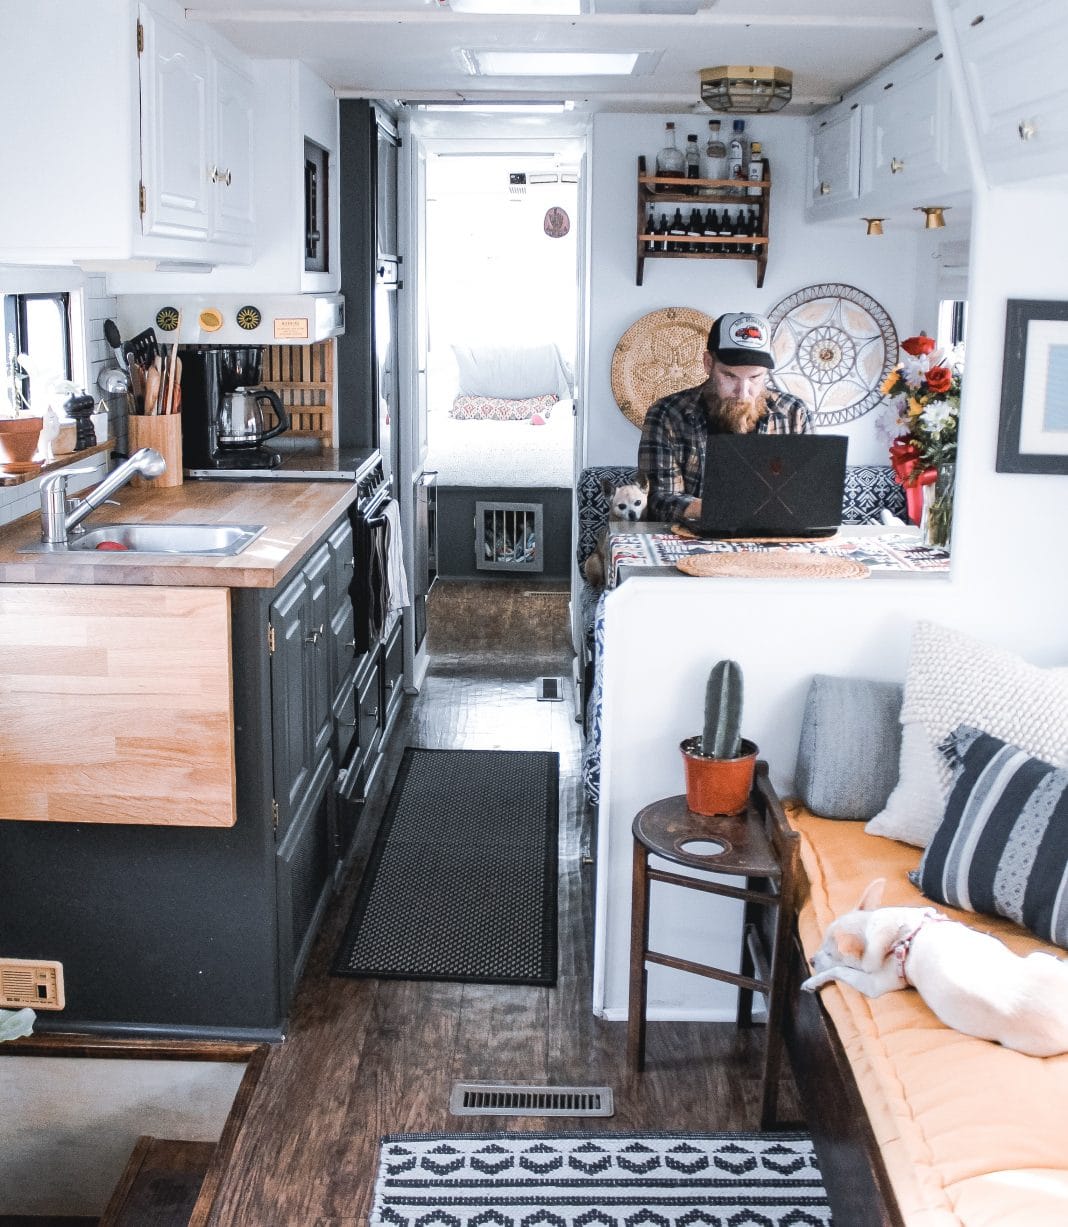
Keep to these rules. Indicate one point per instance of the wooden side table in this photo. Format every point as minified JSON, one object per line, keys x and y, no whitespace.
{"x":757,"y":845}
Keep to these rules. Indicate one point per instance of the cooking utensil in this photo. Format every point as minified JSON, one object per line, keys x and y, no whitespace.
{"x":144,"y":347}
{"x":152,"y":386}
{"x":114,"y":339}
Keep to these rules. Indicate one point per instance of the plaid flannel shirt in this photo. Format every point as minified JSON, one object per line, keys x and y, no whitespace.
{"x":672,"y":448}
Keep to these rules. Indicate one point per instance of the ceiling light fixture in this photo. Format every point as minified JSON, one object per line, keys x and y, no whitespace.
{"x":550,"y":63}
{"x":933,"y":216}
{"x":746,"y":89}
{"x":875,"y":224}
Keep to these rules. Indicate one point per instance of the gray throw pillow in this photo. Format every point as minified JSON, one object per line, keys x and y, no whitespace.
{"x":847,"y":762}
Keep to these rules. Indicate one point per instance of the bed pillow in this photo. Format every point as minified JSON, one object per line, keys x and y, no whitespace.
{"x":850,"y":738}
{"x":515,"y":371}
{"x":500,"y":408}
{"x":1002,"y":846}
{"x":953,"y":679}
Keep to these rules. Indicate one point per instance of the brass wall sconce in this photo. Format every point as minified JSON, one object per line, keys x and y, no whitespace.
{"x":875,"y":224}
{"x":933,"y":216}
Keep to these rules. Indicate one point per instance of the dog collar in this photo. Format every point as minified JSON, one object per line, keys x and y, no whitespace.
{"x":900,"y":949}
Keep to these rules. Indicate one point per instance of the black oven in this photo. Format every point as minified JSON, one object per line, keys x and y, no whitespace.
{"x":370,"y":581}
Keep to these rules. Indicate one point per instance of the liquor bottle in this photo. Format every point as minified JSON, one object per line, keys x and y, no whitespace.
{"x":715,"y":153}
{"x":742,"y":230}
{"x":756,"y":168}
{"x":712,"y":227}
{"x":736,"y":157}
{"x":726,"y":231}
{"x":662,"y":233}
{"x":693,"y":161}
{"x":670,"y":162}
{"x":697,"y":230}
{"x":649,"y":233}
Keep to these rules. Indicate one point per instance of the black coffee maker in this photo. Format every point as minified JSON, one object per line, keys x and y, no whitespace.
{"x":222,"y":425}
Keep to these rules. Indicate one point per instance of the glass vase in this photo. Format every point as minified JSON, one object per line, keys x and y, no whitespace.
{"x":938,"y":508}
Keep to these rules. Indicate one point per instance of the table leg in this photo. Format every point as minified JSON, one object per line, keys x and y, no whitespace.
{"x":750,"y":916}
{"x":639,"y":944}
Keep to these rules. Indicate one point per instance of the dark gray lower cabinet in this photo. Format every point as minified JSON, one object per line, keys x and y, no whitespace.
{"x":203,"y":932}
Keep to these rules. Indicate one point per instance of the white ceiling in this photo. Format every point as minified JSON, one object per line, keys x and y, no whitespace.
{"x":410,"y":49}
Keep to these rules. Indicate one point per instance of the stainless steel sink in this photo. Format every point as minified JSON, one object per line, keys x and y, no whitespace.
{"x":215,"y":540}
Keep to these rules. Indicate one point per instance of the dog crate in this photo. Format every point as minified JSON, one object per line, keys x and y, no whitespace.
{"x":509,"y":537}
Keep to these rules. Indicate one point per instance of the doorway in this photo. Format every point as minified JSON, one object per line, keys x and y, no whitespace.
{"x":502,"y":301}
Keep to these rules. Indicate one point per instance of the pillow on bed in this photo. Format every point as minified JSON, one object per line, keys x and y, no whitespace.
{"x":850,"y":737}
{"x":500,"y":408}
{"x":953,"y":679}
{"x":515,"y":371}
{"x":1002,"y":847}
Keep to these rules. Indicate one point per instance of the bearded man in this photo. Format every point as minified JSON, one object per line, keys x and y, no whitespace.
{"x":734,"y":399}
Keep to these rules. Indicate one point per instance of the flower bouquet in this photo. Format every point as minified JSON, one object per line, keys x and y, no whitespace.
{"x":924,"y":392}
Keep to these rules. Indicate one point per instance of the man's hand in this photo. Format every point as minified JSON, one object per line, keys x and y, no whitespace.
{"x":693,"y":512}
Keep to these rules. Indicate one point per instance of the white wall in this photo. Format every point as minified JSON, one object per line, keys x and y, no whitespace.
{"x":799,"y":255}
{"x":1009,"y":586}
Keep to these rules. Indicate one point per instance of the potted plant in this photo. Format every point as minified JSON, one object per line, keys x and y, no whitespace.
{"x":720,"y":763}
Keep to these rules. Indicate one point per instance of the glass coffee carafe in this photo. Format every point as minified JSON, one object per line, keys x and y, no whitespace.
{"x":240,"y":421}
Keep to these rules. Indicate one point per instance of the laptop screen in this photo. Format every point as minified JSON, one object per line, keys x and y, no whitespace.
{"x":758,"y":485}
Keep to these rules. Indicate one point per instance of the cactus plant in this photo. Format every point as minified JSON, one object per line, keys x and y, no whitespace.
{"x":723,"y":711}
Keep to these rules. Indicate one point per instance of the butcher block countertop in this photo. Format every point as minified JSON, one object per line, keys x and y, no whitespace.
{"x":296,"y":514}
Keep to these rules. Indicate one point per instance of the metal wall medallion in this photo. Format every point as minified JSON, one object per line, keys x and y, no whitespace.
{"x":249,"y":317}
{"x":556,"y":223}
{"x":167,"y":319}
{"x":833,"y":347}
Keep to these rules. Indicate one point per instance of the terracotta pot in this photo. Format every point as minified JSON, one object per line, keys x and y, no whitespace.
{"x":18,"y":442}
{"x":718,"y":785}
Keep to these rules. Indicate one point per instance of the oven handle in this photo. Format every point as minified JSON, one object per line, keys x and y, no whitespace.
{"x":377,"y":522}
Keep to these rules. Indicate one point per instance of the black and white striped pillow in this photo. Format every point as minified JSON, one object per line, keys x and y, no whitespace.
{"x":1002,"y":846}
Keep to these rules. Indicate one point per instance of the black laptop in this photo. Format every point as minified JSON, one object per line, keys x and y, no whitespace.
{"x":758,"y":485}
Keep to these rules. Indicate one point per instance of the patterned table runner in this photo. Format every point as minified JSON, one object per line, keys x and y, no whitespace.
{"x":886,"y":552}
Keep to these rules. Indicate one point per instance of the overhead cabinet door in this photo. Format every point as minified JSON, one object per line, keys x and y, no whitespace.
{"x":232,"y":168}
{"x":174,"y":131}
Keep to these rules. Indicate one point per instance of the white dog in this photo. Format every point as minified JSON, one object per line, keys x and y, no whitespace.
{"x":970,"y":980}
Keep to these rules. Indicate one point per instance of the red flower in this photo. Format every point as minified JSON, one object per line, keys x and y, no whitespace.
{"x":939,"y":379}
{"x":917,"y":346}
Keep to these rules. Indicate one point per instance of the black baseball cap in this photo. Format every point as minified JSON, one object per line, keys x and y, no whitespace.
{"x":742,"y":339}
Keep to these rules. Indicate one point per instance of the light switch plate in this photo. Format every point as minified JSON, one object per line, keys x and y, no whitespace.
{"x":37,"y":983}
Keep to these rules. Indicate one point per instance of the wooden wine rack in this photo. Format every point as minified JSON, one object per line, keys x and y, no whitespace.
{"x":658,"y":190}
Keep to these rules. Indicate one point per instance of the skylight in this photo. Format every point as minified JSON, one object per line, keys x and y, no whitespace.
{"x":551,"y":63}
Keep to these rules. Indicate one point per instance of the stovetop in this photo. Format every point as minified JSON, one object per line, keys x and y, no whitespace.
{"x":304,"y":461}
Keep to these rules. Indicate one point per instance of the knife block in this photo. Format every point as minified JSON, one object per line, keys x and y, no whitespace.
{"x":164,"y":433}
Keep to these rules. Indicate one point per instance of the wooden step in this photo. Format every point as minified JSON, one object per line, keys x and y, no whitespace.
{"x":160,"y":1185}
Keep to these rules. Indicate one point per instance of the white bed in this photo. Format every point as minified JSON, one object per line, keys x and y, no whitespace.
{"x":479,"y":453}
{"x":486,"y":452}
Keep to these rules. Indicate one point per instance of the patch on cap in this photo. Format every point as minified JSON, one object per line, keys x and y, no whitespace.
{"x":742,"y":339}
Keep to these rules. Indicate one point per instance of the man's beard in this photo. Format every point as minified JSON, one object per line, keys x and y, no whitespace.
{"x":735,"y":415}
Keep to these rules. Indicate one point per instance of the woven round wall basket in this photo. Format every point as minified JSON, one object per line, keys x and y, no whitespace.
{"x":659,"y":354}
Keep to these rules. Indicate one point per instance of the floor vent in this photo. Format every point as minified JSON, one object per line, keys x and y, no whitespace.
{"x":550,"y":689}
{"x":515,"y":1099}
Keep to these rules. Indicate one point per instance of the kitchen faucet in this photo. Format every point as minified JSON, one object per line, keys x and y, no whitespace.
{"x":60,"y":516}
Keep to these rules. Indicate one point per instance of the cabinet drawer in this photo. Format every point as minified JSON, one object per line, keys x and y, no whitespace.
{"x":369,"y":710}
{"x":345,"y":721}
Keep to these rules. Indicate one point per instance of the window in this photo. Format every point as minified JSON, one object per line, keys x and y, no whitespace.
{"x":37,"y":325}
{"x":952,"y":321}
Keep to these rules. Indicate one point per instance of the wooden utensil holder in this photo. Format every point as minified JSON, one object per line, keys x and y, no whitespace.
{"x":164,"y":433}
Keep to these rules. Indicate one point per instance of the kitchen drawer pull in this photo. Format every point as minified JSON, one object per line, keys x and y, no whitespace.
{"x":1026,"y":129}
{"x":896,"y":165}
{"x":350,"y":563}
{"x":315,"y":635}
{"x":373,"y":714}
{"x":351,"y":645}
{"x":349,"y":724}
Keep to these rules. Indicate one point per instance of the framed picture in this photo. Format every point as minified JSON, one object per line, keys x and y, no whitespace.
{"x":1033,"y":428}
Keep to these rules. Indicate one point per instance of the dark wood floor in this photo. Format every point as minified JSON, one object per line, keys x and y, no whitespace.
{"x":364,"y":1058}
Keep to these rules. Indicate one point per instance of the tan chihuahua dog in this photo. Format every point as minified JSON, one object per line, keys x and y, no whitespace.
{"x":971,"y":981}
{"x":625,"y":502}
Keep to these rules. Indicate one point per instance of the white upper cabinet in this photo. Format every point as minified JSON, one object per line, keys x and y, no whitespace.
{"x":1014,"y":56}
{"x":144,"y":155}
{"x":891,"y":145}
{"x":834,"y":157}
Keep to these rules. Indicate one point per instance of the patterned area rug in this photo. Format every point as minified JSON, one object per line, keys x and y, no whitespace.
{"x":599,"y":1179}
{"x":461,"y":881}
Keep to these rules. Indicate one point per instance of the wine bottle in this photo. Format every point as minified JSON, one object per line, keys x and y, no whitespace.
{"x":697,"y":230}
{"x":693,"y":161}
{"x":677,"y":231}
{"x":670,"y":162}
{"x":662,"y":233}
{"x":741,"y":229}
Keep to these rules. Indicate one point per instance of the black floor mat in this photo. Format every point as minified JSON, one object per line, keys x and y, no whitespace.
{"x":461,"y":882}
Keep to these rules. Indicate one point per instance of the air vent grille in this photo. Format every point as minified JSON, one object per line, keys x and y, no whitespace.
{"x":516,"y":1099}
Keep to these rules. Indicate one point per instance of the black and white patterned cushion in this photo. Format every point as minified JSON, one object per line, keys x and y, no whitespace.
{"x":869,"y":490}
{"x":1002,"y":846}
{"x":593,"y":503}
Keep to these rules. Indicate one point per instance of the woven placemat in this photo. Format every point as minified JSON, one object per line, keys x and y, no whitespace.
{"x":774,"y":565}
{"x":661,"y":353}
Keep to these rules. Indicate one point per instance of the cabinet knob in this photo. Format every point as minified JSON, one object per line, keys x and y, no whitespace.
{"x":373,"y":713}
{"x":350,"y":563}
{"x":1026,"y":129}
{"x":351,"y":645}
{"x":896,"y":166}
{"x":221,"y":176}
{"x":825,"y":188}
{"x":315,"y":635}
